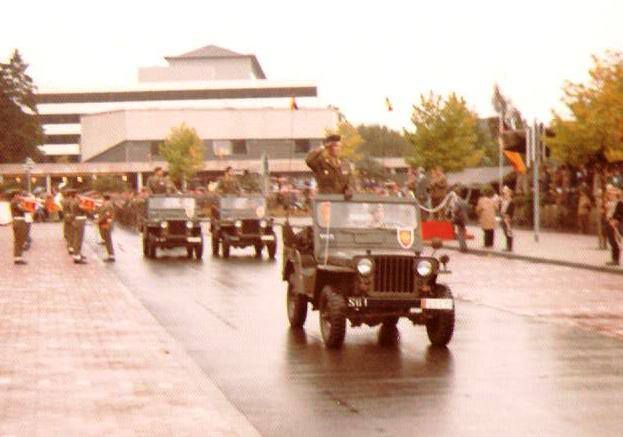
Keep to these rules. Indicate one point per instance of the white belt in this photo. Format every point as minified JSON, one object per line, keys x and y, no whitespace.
{"x":19,"y":218}
{"x":81,"y":217}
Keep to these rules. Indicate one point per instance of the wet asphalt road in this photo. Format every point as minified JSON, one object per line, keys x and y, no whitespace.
{"x":504,"y":373}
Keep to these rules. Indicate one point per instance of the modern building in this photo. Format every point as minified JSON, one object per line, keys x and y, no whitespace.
{"x":225,"y":96}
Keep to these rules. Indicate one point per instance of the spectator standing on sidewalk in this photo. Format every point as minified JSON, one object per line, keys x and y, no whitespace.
{"x":438,"y":187}
{"x":584,"y":211}
{"x":507,"y":211}
{"x":485,"y":209}
{"x":614,"y":214}
{"x":458,"y":211}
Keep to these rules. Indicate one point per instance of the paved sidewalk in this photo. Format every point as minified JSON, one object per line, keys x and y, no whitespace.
{"x":571,"y":250}
{"x":81,"y":356}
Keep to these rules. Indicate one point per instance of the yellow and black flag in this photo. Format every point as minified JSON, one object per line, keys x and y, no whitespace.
{"x":388,"y":105}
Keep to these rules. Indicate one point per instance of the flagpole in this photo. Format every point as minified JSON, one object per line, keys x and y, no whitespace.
{"x":535,"y":140}
{"x":500,"y":153}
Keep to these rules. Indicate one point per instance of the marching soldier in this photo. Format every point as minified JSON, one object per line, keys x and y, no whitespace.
{"x":20,"y":232}
{"x":79,"y":221}
{"x":68,"y":218}
{"x":229,"y":184}
{"x":332,"y":174}
{"x":105,"y":219}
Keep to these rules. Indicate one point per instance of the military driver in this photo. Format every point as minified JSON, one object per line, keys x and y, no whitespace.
{"x":229,"y":184}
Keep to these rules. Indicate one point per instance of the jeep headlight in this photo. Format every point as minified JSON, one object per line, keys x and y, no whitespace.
{"x":238,"y":224}
{"x":364,"y":267}
{"x":424,"y":267}
{"x":164,"y":225}
{"x":189,"y":224}
{"x":263,"y":224}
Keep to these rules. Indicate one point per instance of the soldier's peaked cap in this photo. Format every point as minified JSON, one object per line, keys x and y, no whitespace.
{"x":333,"y":138}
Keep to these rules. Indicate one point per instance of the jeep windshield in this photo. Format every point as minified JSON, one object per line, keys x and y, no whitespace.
{"x":366,"y":215}
{"x":168,"y":207}
{"x":243,"y":207}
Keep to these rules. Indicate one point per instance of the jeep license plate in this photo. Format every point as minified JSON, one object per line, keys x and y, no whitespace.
{"x":437,"y":304}
{"x":194,"y":239}
{"x":267,"y":238}
{"x":357,"y":302}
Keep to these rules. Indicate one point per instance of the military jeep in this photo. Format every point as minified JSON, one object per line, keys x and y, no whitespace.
{"x":171,"y":221}
{"x":365,"y":265}
{"x":240,"y":221}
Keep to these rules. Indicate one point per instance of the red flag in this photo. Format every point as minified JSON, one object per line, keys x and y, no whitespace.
{"x":516,"y":161}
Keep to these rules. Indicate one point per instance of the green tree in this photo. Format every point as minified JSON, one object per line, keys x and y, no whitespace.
{"x":595,"y":127}
{"x":20,"y":129}
{"x":380,"y":141}
{"x":183,"y":150}
{"x":445,"y":135}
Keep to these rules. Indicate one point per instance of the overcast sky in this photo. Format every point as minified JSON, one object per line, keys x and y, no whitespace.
{"x":356,"y":52}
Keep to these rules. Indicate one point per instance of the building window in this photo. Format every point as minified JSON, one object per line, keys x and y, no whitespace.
{"x":221,"y":148}
{"x":154,"y":148}
{"x":239,"y":147}
{"x":302,"y":146}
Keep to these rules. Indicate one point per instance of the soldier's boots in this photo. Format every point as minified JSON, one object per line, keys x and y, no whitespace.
{"x":80,"y":259}
{"x":110,"y":259}
{"x":19,"y":260}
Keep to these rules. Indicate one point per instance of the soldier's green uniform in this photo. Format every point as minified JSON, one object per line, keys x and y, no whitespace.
{"x":157,"y":184}
{"x":79,"y":221}
{"x":67,"y":222}
{"x":332,"y":174}
{"x":105,"y":220}
{"x":229,"y":185}
{"x":20,"y":231}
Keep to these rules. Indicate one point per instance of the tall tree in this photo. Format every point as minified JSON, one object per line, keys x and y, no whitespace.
{"x":20,"y":129}
{"x":445,"y":133}
{"x":380,"y":141}
{"x":595,"y":128}
{"x":183,"y":150}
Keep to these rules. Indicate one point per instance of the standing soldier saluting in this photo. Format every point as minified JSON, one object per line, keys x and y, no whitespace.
{"x":20,"y":231}
{"x":229,"y":184}
{"x":105,"y":219}
{"x":333,"y":175}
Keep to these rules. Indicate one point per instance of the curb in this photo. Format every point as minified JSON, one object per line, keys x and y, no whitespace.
{"x":538,"y":260}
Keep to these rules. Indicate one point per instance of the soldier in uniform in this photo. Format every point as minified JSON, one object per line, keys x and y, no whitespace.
{"x":79,"y":221}
{"x":68,"y":219}
{"x":332,"y":174}
{"x":157,"y":183}
{"x":229,"y":184}
{"x":20,"y":232}
{"x":105,"y":218}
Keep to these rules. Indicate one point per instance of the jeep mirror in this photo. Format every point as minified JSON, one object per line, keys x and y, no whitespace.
{"x":437,"y":243}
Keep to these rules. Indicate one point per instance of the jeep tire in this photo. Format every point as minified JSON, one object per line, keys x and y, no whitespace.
{"x":272,"y":250}
{"x":258,"y":250}
{"x":296,"y":304}
{"x":332,"y":317}
{"x":199,"y":250}
{"x":440,"y":326}
{"x":226,"y":246}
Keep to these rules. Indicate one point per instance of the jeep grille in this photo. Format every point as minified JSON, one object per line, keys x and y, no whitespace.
{"x":250,"y":227}
{"x":394,"y":274}
{"x":177,"y":227}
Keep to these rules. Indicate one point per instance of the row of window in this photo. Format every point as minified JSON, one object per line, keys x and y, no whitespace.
{"x":236,"y":147}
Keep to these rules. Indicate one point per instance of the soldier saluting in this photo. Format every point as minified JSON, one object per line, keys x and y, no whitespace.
{"x":332,"y":174}
{"x":229,"y":184}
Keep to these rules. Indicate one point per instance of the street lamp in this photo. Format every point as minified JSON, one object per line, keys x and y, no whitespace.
{"x":28,"y":166}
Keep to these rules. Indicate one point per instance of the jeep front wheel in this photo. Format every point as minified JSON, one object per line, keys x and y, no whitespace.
{"x":332,"y":318}
{"x":199,"y":251}
{"x":225,"y":245}
{"x":272,"y":250}
{"x":440,"y":326}
{"x":296,"y":305}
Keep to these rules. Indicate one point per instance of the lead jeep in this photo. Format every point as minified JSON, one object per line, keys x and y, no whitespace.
{"x":365,"y":265}
{"x":172,"y":221}
{"x":240,"y":221}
